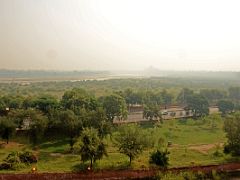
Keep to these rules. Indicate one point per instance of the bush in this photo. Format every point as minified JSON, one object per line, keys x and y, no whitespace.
{"x":17,"y":160}
{"x":5,"y":166}
{"x":27,"y":157}
{"x":13,"y":158}
{"x":160,"y":158}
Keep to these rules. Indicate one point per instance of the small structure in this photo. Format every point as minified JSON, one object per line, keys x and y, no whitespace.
{"x":135,"y":113}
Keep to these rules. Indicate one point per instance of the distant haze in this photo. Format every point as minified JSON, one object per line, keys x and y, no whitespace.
{"x":120,"y":34}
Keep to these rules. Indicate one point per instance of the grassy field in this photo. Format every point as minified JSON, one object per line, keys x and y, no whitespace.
{"x":194,"y":142}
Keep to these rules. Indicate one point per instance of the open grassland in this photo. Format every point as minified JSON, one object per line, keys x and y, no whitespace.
{"x":193,"y":142}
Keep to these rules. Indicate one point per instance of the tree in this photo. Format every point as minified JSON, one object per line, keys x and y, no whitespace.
{"x":151,"y":112}
{"x":31,"y":120}
{"x":150,"y":97}
{"x":212,"y":95}
{"x":232,"y":128}
{"x":90,"y":146}
{"x":71,"y":125}
{"x":166,"y":98}
{"x":198,"y":104}
{"x":28,"y":102}
{"x":12,"y":102}
{"x":115,"y":106}
{"x":98,"y":120}
{"x":225,"y":106}
{"x":45,"y":102}
{"x":37,"y":125}
{"x":130,"y":141}
{"x":7,"y":128}
{"x":160,"y":158}
{"x":183,"y":95}
{"x":77,"y":99}
{"x":234,"y":93}
{"x":132,"y":97}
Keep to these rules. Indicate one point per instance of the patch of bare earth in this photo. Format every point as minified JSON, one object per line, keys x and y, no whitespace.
{"x":204,"y":148}
{"x":10,"y":145}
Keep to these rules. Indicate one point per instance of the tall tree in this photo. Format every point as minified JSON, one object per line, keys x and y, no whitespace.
{"x":31,"y":120}
{"x":37,"y":125}
{"x":71,"y":125}
{"x":131,"y":141}
{"x":77,"y":99}
{"x":232,"y":128}
{"x":225,"y":106}
{"x":198,"y":104}
{"x":99,"y":121}
{"x":166,"y":98}
{"x":234,"y":93}
{"x":151,"y":97}
{"x":213,"y":95}
{"x":152,"y":112}
{"x":7,"y":128}
{"x":115,"y":106}
{"x":132,"y":97}
{"x":183,"y":95}
{"x":90,"y":146}
{"x":45,"y":102}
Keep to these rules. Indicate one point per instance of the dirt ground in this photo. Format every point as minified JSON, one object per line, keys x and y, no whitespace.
{"x":117,"y":174}
{"x":204,"y":148}
{"x":10,"y":145}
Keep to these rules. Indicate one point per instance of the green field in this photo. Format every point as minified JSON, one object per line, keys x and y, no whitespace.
{"x":194,"y":142}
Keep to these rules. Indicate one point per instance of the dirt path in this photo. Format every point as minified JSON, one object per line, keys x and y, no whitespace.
{"x":204,"y":148}
{"x":118,"y":174}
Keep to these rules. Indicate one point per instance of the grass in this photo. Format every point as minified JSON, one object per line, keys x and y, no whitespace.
{"x":53,"y":156}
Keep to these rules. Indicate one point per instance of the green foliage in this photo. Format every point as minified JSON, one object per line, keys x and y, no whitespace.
{"x":31,"y":120}
{"x":160,"y":158}
{"x":114,"y":105}
{"x":98,"y":120}
{"x":77,"y":99}
{"x":27,"y":157}
{"x":225,"y":106}
{"x":132,"y":97}
{"x":198,"y":104}
{"x":70,"y":124}
{"x":151,"y":97}
{"x":131,"y":141}
{"x":90,"y":146}
{"x":166,"y":98}
{"x":213,"y":95}
{"x":234,"y":93}
{"x":152,"y":112}
{"x":232,"y":129}
{"x":7,"y":128}
{"x":12,"y":102}
{"x":16,"y":160}
{"x":44,"y":103}
{"x":183,"y":95}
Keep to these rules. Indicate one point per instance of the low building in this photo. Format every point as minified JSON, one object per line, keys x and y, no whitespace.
{"x":135,"y":113}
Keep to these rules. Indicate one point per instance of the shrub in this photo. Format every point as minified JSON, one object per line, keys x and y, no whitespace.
{"x":27,"y":157}
{"x":160,"y":158}
{"x":17,"y":160}
{"x":5,"y":165}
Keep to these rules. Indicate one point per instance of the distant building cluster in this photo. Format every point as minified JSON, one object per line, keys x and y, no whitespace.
{"x":135,"y":113}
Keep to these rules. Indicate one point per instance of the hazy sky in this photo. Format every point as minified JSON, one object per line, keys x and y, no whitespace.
{"x":120,"y":34}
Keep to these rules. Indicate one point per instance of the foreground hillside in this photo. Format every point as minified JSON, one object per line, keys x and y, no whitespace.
{"x":193,"y":142}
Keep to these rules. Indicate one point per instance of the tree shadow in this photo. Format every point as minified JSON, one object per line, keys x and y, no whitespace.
{"x":80,"y":167}
{"x":58,"y":146}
